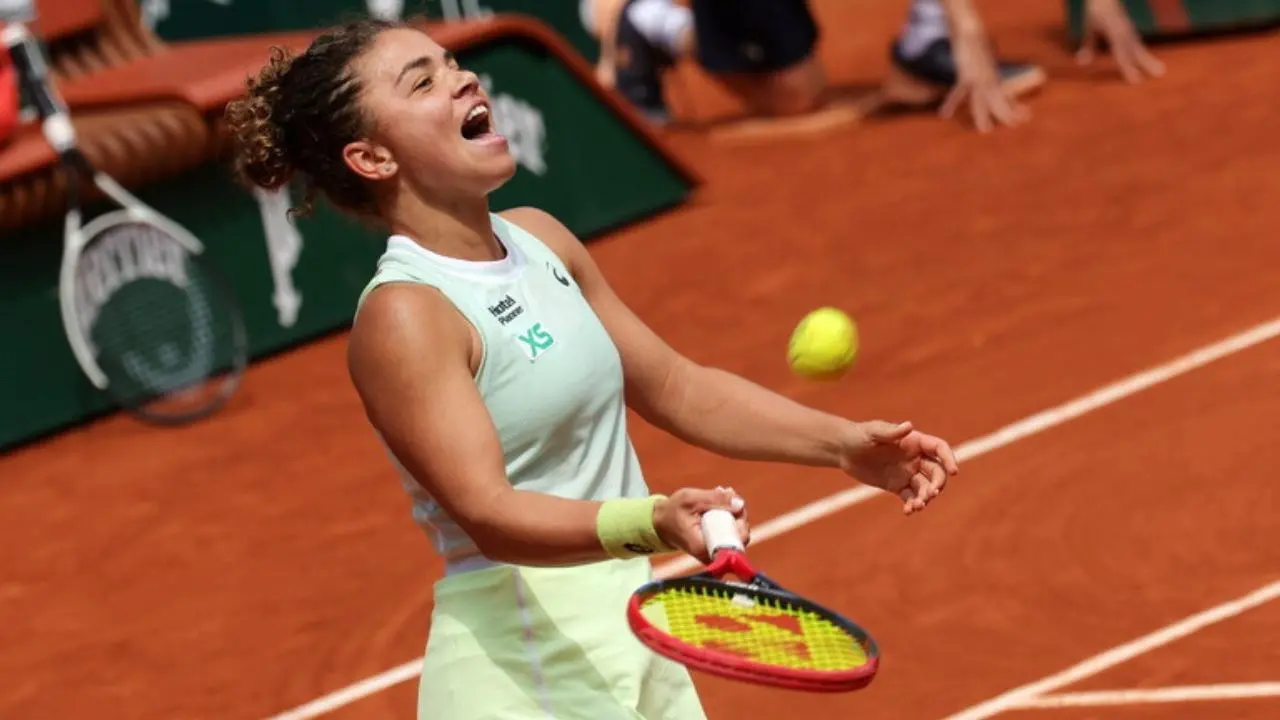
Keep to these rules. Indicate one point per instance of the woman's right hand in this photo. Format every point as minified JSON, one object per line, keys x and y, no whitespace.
{"x":678,"y":518}
{"x":979,"y":84}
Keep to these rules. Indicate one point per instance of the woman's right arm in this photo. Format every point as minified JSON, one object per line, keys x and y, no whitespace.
{"x":409,"y":360}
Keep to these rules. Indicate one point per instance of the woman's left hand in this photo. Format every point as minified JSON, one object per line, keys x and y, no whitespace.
{"x":899,"y":459}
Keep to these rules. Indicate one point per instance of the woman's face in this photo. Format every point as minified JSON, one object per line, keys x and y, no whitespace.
{"x":431,"y":124}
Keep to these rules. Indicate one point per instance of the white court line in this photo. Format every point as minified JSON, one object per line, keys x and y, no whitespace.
{"x":1018,"y":697}
{"x":823,"y":507}
{"x":1182,"y":693}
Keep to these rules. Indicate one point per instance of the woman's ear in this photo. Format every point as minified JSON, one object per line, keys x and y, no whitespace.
{"x":369,"y":160}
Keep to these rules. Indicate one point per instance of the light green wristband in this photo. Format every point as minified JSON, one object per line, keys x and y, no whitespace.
{"x":625,"y":527}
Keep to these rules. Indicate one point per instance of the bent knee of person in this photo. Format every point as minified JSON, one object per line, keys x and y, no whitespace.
{"x":796,"y":90}
{"x":791,"y":102}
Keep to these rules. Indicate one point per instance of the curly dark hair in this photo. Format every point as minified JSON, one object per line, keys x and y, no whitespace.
{"x":298,"y":115}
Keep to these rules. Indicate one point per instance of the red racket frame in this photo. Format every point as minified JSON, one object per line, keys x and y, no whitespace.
{"x":732,"y":562}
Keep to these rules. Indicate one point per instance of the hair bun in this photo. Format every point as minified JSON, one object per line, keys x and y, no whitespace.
{"x":260,"y":157}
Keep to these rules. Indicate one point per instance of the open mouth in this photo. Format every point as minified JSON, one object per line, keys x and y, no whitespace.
{"x":477,"y":124}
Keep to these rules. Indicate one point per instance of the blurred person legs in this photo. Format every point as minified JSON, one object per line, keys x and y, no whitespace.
{"x":924,"y":67}
{"x":764,"y":52}
{"x":639,"y":41}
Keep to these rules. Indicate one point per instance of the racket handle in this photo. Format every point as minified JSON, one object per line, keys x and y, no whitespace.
{"x":33,"y":72}
{"x":720,"y":531}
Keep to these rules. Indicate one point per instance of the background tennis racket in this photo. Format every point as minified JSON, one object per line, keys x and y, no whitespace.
{"x":754,"y":630}
{"x":148,"y":318}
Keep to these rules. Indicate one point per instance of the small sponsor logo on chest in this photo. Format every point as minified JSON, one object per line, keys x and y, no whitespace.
{"x":506,"y":310}
{"x":533,"y":337}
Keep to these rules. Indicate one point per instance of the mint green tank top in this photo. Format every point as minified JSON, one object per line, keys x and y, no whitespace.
{"x":550,"y":375}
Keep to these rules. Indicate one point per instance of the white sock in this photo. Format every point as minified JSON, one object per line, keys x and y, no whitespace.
{"x":926,"y":23}
{"x":661,"y":22}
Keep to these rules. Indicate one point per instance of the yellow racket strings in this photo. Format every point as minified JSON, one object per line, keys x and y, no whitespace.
{"x":765,"y":630}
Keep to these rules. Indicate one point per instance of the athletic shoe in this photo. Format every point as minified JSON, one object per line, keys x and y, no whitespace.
{"x":927,"y":78}
{"x":640,"y":65}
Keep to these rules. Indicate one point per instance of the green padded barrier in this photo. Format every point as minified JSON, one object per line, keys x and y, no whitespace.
{"x":1166,"y":18}
{"x":182,"y":19}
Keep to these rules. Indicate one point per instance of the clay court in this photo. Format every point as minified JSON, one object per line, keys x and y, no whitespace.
{"x":1088,"y":307}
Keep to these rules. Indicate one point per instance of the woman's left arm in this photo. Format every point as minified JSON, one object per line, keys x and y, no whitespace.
{"x":734,"y":417}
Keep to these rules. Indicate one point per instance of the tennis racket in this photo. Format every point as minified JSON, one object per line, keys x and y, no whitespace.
{"x":753,"y":631}
{"x":147,"y":316}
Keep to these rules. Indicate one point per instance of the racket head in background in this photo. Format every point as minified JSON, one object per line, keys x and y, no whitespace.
{"x":151,"y":320}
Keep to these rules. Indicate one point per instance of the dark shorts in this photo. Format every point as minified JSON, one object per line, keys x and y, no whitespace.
{"x":753,"y":36}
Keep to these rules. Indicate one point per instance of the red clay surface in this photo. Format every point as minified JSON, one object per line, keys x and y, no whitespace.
{"x":1213,"y":655}
{"x":1217,"y":710}
{"x":266,"y":557}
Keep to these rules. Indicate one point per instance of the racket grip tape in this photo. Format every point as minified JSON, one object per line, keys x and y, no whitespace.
{"x":720,"y":531}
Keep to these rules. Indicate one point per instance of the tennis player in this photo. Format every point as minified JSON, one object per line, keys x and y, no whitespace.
{"x":496,"y":365}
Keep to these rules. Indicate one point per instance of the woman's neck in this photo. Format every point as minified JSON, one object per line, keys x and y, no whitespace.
{"x":460,"y":230}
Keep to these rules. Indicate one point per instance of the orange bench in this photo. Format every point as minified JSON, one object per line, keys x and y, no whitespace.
{"x":135,"y":145}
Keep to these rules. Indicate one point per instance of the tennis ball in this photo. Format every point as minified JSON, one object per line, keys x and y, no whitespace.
{"x":824,"y":344}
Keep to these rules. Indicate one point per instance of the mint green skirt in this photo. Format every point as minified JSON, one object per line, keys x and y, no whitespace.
{"x":510,"y":643}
